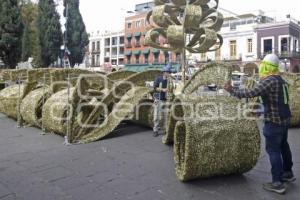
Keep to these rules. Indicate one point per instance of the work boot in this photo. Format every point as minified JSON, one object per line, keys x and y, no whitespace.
{"x":155,"y":134}
{"x":276,"y":187}
{"x":288,"y":177}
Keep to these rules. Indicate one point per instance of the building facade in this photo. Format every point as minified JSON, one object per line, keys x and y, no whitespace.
{"x":94,"y":49}
{"x":281,"y":38}
{"x":239,"y":39}
{"x":246,"y":39}
{"x":139,"y":56}
{"x":249,"y":37}
{"x":106,"y":50}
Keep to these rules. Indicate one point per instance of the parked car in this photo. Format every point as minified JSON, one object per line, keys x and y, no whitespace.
{"x":238,"y":79}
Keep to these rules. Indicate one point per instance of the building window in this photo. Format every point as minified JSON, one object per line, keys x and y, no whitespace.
{"x":114,"y":41}
{"x":138,"y":24}
{"x":138,"y":41}
{"x":250,"y":46}
{"x":98,"y":60}
{"x":129,"y":43}
{"x":107,"y":52}
{"x":114,"y":51}
{"x":121,"y":51}
{"x":137,"y":59}
{"x":128,"y":59}
{"x":146,"y":58}
{"x":233,"y":49}
{"x":93,"y":46}
{"x":107,"y":42}
{"x":93,"y":60}
{"x":114,"y":62}
{"x":129,"y":25}
{"x":98,"y":45}
{"x":268,"y":46}
{"x":121,"y":61}
{"x":121,"y":40}
{"x":156,"y":57}
{"x":106,"y":60}
{"x":284,"y":45}
{"x":178,"y":57}
{"x":167,"y":56}
{"x":296,"y":45}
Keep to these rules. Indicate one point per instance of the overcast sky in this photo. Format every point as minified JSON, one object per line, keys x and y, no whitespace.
{"x":109,"y":15}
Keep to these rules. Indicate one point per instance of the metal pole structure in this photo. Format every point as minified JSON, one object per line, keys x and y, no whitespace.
{"x":68,"y":137}
{"x":183,"y":63}
{"x":19,"y":102}
{"x":44,"y":83}
{"x":183,"y":56}
{"x":66,"y":52}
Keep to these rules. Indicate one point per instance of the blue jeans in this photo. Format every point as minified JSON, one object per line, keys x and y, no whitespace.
{"x":278,"y":148}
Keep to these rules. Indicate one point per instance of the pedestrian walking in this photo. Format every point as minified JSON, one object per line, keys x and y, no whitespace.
{"x":161,"y":88}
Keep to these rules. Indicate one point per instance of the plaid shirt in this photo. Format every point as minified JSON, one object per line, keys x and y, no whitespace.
{"x":270,"y":88}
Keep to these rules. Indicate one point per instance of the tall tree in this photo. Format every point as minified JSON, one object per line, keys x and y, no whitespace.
{"x":29,"y":13}
{"x":77,"y":37}
{"x":49,"y":33}
{"x":10,"y":32}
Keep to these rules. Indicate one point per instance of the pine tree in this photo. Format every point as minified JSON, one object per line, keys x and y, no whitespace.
{"x":11,"y":29}
{"x":29,"y":12}
{"x":26,"y":44}
{"x":77,"y":37}
{"x":49,"y":33}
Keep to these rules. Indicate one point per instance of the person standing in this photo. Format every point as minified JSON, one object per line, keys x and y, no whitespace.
{"x":273,"y":91}
{"x":161,"y":87}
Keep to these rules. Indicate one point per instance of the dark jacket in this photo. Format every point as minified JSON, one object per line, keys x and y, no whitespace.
{"x":273,"y":91}
{"x":161,"y":83}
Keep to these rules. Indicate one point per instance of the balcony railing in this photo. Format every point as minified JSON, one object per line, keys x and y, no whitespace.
{"x":283,"y":54}
{"x":95,"y":50}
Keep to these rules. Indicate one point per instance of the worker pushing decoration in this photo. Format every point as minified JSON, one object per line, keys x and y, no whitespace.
{"x":273,"y":90}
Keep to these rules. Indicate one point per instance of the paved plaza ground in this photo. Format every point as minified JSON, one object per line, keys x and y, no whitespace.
{"x":130,"y":165}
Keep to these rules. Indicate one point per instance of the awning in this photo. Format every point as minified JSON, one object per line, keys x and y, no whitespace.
{"x":155,"y":50}
{"x":145,"y":33}
{"x":145,"y":67}
{"x":128,"y":53}
{"x":137,"y":34}
{"x":136,"y":52}
{"x":129,"y":35}
{"x":136,"y":68}
{"x":146,"y":51}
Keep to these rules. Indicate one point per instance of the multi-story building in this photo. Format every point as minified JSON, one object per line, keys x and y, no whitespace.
{"x":107,"y":50}
{"x":113,"y":54}
{"x":95,"y":49}
{"x":249,"y":37}
{"x":139,"y":56}
{"x":238,"y":32}
{"x":246,"y":39}
{"x":239,"y":39}
{"x":281,"y":38}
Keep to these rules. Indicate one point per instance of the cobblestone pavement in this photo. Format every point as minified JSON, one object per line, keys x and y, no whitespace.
{"x":130,"y":165}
